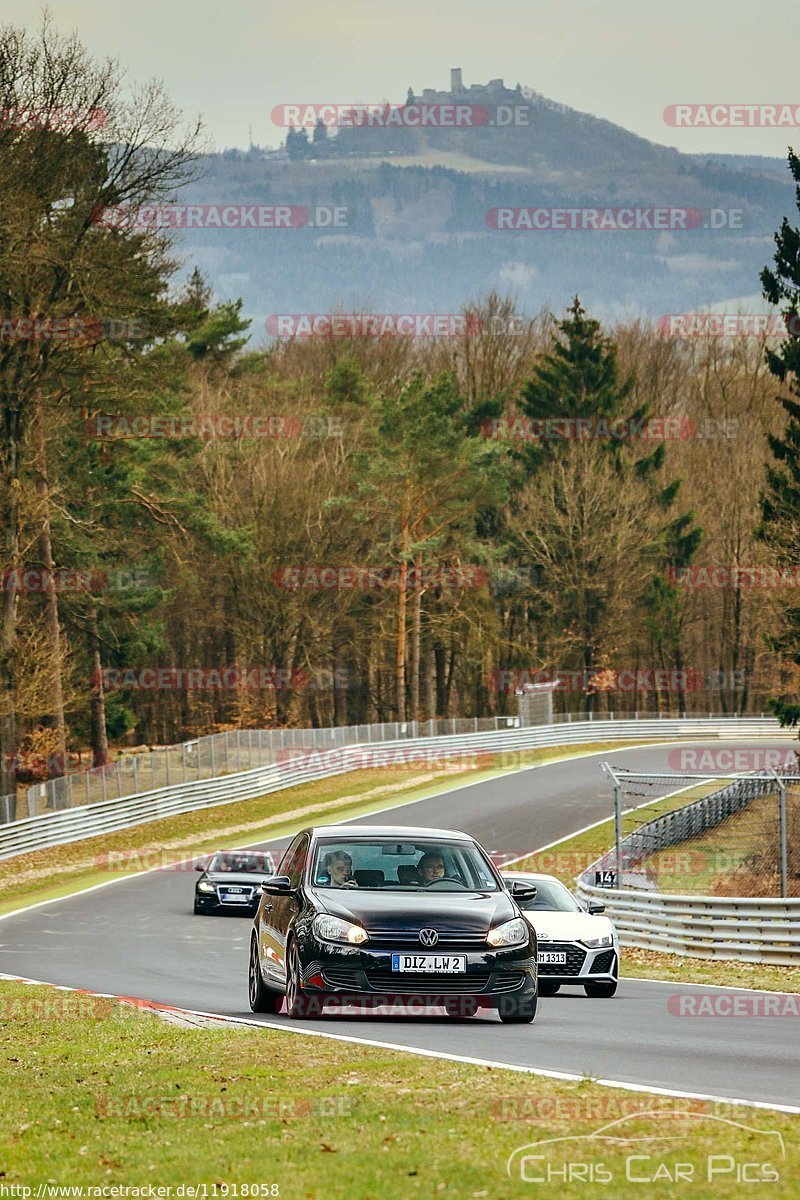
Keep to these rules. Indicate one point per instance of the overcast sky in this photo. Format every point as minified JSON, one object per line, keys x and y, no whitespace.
{"x":233,"y":60}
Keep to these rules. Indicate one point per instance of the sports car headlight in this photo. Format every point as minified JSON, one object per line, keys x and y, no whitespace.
{"x":512,"y":933}
{"x":593,"y":943}
{"x":334,"y":929}
{"x":205,"y":886}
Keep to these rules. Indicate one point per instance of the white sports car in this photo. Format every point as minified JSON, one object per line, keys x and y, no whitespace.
{"x":574,"y":946}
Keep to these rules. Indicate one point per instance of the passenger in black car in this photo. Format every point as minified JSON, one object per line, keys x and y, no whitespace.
{"x":338,"y":867}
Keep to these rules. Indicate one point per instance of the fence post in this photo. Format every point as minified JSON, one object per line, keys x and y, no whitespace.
{"x":782,"y":833}
{"x":239,"y":749}
{"x":213,"y":759}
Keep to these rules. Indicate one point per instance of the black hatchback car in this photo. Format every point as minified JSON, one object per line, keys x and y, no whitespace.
{"x":381,"y":914}
{"x":231,"y":881}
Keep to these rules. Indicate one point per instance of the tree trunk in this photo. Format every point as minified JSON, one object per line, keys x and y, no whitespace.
{"x":416,"y":633}
{"x":400,"y":661}
{"x":54,"y":719}
{"x":99,"y":733}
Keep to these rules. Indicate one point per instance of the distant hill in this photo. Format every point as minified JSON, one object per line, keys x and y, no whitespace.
{"x":417,"y":238}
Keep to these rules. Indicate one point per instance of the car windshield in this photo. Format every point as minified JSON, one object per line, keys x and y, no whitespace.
{"x":393,"y":865}
{"x":257,"y":864}
{"x":551,"y":896}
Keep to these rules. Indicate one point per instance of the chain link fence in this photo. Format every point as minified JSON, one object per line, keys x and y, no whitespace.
{"x":724,"y":835}
{"x":223,"y":754}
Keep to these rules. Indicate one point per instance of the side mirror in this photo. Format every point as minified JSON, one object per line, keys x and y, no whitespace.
{"x":199,"y":866}
{"x":523,"y":891}
{"x":277,"y":885}
{"x":595,"y":909}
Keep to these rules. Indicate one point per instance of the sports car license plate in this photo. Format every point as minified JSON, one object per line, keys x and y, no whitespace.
{"x":439,"y":964}
{"x":552,"y":956}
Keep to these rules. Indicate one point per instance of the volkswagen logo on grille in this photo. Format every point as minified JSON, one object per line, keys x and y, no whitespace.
{"x":428,"y":937}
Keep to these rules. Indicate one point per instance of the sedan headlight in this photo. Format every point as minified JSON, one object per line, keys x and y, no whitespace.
{"x":334,"y":929}
{"x":512,"y":933}
{"x":593,"y":943}
{"x":205,"y":886}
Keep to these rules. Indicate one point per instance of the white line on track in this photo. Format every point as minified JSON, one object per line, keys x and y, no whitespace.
{"x":545,"y":1072}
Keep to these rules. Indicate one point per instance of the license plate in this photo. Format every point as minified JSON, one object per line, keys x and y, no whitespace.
{"x":439,"y":964}
{"x":552,"y":956}
{"x":234,"y":899}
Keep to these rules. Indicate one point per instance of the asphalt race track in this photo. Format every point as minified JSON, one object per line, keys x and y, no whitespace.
{"x":139,"y":938}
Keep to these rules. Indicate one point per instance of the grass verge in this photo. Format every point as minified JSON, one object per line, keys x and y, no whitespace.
{"x":63,"y":870}
{"x":94,"y":1093}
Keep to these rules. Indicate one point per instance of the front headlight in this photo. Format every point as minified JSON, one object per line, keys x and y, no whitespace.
{"x":512,"y":933}
{"x":334,"y":929}
{"x":205,"y":886}
{"x":593,"y":943}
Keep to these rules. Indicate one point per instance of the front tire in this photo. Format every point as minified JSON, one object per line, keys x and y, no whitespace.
{"x":298,"y":1006}
{"x":518,"y":1011}
{"x":601,"y":989}
{"x":262,"y":1000}
{"x":546,"y":988}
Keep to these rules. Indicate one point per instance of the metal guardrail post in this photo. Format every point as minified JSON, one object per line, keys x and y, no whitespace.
{"x":782,"y":835}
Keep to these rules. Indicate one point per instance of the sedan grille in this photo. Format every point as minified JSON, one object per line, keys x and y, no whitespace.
{"x":402,"y":983}
{"x":452,"y":939}
{"x":575,"y":959}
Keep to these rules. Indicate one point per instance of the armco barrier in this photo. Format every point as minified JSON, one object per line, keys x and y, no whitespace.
{"x":752,"y":930}
{"x":73,"y":824}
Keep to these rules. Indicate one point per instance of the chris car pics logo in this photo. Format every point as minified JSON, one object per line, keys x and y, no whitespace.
{"x":655,"y":1147}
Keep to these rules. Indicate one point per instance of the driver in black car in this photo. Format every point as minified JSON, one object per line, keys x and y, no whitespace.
{"x":430,"y":868}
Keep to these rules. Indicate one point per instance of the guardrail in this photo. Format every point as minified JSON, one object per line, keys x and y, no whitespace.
{"x":89,"y":820}
{"x":751,"y":929}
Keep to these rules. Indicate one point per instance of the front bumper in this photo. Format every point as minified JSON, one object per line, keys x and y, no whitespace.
{"x":216,"y":902}
{"x":582,"y":966}
{"x":366,"y":973}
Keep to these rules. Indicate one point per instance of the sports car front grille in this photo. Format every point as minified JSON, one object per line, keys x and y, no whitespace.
{"x":404,"y":983}
{"x":604,"y":962}
{"x":575,"y":959}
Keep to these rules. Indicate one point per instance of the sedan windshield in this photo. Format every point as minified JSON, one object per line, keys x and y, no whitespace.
{"x":256,"y":864}
{"x":551,"y":896}
{"x":402,"y":866}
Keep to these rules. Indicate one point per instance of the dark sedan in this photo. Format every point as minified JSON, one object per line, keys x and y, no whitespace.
{"x":378,"y":915}
{"x":231,"y":882}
